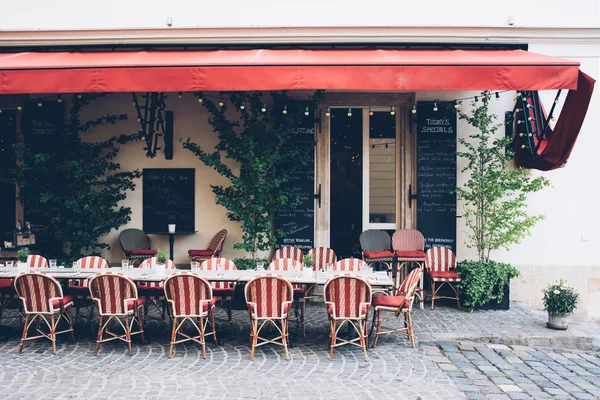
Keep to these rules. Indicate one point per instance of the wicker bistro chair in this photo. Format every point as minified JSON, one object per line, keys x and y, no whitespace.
{"x":222,"y":291}
{"x":376,"y":247}
{"x":37,"y":261}
{"x":440,"y":263}
{"x":78,"y":288}
{"x":348,"y":299}
{"x":43,"y":299}
{"x":351,"y":265}
{"x":269,"y":298}
{"x":154,"y":292}
{"x":214,"y":249}
{"x":117,"y":299}
{"x":288,"y":252}
{"x":191,"y":298}
{"x":409,"y":248}
{"x":301,"y":291}
{"x":136,"y":245}
{"x":323,"y":256}
{"x":401,"y":303}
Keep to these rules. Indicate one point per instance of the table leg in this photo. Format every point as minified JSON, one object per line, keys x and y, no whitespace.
{"x":171,"y":243}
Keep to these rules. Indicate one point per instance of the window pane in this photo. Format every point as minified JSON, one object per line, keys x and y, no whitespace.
{"x":382,"y":168}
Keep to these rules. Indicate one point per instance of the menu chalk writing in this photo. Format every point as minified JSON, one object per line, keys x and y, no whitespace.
{"x":168,"y":197}
{"x":436,"y":174}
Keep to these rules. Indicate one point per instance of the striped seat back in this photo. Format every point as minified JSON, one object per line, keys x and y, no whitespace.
{"x":322,"y":256}
{"x":151,"y":263}
{"x":217,"y":242}
{"x":408,"y":240}
{"x":109,"y":291}
{"x":87,"y":262}
{"x":409,"y":285}
{"x":36,"y":261}
{"x":288,"y":252}
{"x":285,"y":264}
{"x":267,"y":293}
{"x":349,"y":296}
{"x":351,"y":264}
{"x":440,"y":259}
{"x":223,"y":263}
{"x":185,"y":292}
{"x":36,"y":291}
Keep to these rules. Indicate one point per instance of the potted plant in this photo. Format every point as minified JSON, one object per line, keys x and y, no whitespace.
{"x":494,"y":199}
{"x":161,"y":261}
{"x":22,"y":255}
{"x":309,"y":262}
{"x":171,"y":223}
{"x":560,"y":300}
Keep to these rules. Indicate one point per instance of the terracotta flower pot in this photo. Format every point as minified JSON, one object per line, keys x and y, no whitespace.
{"x":558,"y":321}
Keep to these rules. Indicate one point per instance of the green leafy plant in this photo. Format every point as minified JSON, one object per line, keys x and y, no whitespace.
{"x":483,"y":282}
{"x":309,"y":260}
{"x":264,"y":143}
{"x":72,"y":189}
{"x":161,"y":257}
{"x":22,"y":255}
{"x":495,"y":195}
{"x":249,"y":263}
{"x":560,"y":298}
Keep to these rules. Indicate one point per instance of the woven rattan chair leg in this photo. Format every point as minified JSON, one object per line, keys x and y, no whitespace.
{"x":254,"y":338}
{"x":378,"y":314}
{"x":128,"y":334}
{"x":53,"y":333}
{"x":24,"y":335}
{"x":411,"y":333}
{"x":141,"y":325}
{"x":332,"y":325}
{"x":213,"y":326}
{"x":363,"y":342}
{"x":432,"y":293}
{"x":284,"y":337}
{"x":99,"y":338}
{"x":173,"y":336}
{"x":71,"y":323}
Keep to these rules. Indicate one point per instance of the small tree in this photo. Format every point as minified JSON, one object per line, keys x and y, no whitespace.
{"x":73,"y":188}
{"x":264,"y":143}
{"x":495,"y":196}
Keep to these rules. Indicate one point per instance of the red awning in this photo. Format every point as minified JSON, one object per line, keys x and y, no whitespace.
{"x":229,"y":70}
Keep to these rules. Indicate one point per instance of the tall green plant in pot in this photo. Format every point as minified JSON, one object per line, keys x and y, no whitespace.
{"x":495,"y":204}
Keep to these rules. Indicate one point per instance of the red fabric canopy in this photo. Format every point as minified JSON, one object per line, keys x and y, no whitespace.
{"x":229,"y":70}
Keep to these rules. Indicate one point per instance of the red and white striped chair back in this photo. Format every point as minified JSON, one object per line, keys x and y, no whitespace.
{"x":189,"y":295}
{"x":409,"y":285}
{"x":35,"y":261}
{"x":440,"y":259}
{"x":37,"y":291}
{"x":225,"y":264}
{"x":322,"y":256}
{"x":351,"y":264}
{"x":408,"y":240}
{"x":110,"y":291}
{"x":289,"y":252}
{"x":87,"y":262}
{"x":285,"y":264}
{"x":269,"y":296}
{"x":151,"y":263}
{"x":347,"y":296}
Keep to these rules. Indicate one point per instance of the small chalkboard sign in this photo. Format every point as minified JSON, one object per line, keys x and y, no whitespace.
{"x":436,"y":174}
{"x":168,"y":198}
{"x":42,"y":124}
{"x":300,"y":222}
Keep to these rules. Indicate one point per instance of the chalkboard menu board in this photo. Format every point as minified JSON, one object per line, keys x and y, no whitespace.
{"x":168,"y":194}
{"x":41,"y":124}
{"x":436,"y":174}
{"x":300,"y":222}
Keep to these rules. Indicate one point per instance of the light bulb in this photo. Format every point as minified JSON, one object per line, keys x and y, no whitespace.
{"x":435,"y":107}
{"x":553,"y":119}
{"x":456,"y":104}
{"x":414,"y":109}
{"x":79,"y":96}
{"x":59,"y":99}
{"x":284,"y":112}
{"x":306,"y":112}
{"x":133,"y":103}
{"x":19,"y":108}
{"x":200,"y":100}
{"x":349,"y":112}
{"x":328,"y":112}
{"x":522,"y":146}
{"x":40,"y":104}
{"x":221,"y":104}
{"x":179,"y":95}
{"x":242,"y":107}
{"x":371,"y":111}
{"x":392,"y":111}
{"x":264,"y":108}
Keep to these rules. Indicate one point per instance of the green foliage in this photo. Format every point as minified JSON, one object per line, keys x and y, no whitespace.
{"x":161,"y":257}
{"x":483,"y":282}
{"x":248,"y":263}
{"x":560,"y":298}
{"x":22,"y":255}
{"x":309,"y":260}
{"x":265,"y":145}
{"x":495,"y":196}
{"x":72,"y":188}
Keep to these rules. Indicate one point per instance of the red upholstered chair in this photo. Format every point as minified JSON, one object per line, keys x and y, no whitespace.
{"x":288,"y":252}
{"x":136,"y":245}
{"x":223,"y":291}
{"x":78,"y":288}
{"x":191,"y":300}
{"x":153,"y":291}
{"x":440,"y":263}
{"x":43,"y":299}
{"x":409,"y":247}
{"x":376,"y":247}
{"x":401,"y":303}
{"x":323,"y":256}
{"x":350,"y":265}
{"x":300,"y":291}
{"x":269,"y":298}
{"x":214,"y":249}
{"x":118,"y":305}
{"x":348,"y":299}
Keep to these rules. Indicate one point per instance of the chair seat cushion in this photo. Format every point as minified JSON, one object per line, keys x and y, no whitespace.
{"x":200,"y":253}
{"x":299,"y":292}
{"x":131,"y":304}
{"x":444,"y":276}
{"x":286,"y":308}
{"x":223,"y":292}
{"x":56,"y":303}
{"x":378,"y":254}
{"x":409,"y":254}
{"x":205,"y":306}
{"x":390,"y":301}
{"x":6,"y":283}
{"x":364,"y":309}
{"x":141,"y":252}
